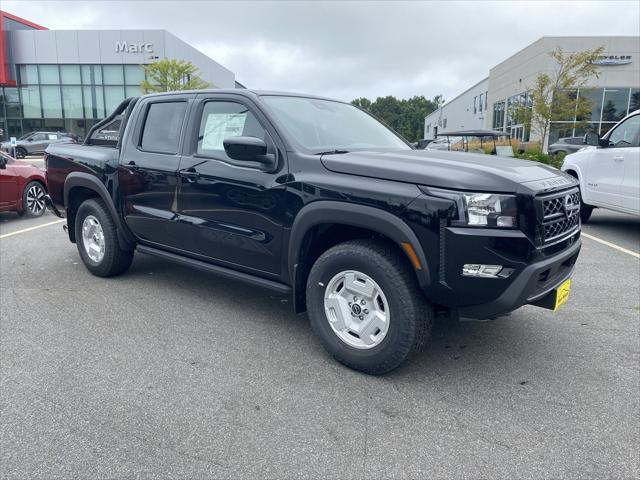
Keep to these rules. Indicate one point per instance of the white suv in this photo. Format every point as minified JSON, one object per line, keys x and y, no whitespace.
{"x":609,"y":170}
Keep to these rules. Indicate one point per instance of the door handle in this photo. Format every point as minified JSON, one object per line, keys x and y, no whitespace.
{"x":189,"y":174}
{"x":131,"y":166}
{"x":618,"y":158}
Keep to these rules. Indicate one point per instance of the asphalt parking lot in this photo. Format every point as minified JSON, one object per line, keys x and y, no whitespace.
{"x":172,"y":373}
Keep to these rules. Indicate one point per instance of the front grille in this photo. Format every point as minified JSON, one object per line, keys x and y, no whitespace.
{"x":558,"y":228}
{"x":554,"y":207}
{"x":559,"y":215}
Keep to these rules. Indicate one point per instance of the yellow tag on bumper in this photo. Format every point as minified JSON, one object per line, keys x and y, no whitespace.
{"x":562,"y":294}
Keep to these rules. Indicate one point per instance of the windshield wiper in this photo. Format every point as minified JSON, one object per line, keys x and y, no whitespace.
{"x":332,"y":152}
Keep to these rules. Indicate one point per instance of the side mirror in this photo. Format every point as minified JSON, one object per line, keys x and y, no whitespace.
{"x":248,"y":149}
{"x":3,"y":163}
{"x":30,"y":139}
{"x":592,"y":138}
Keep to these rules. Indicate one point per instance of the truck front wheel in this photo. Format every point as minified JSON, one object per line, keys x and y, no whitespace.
{"x":97,"y":240}
{"x":364,"y":303}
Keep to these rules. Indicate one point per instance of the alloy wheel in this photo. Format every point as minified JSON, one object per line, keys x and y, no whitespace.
{"x":357,"y":309}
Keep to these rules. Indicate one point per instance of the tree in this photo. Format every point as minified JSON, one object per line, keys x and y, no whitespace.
{"x":168,"y":75}
{"x":553,"y":96}
{"x":405,"y":116}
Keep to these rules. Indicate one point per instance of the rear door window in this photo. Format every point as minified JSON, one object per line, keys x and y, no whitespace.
{"x":163,"y":127}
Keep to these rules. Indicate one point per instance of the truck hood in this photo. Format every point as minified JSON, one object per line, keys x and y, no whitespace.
{"x":452,"y":170}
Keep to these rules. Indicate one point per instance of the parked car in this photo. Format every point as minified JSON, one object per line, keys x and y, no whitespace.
{"x":35,"y":142}
{"x":609,"y":170}
{"x":22,"y":187}
{"x":421,"y":144}
{"x":566,"y":145}
{"x":317,"y":200}
{"x":443,"y":143}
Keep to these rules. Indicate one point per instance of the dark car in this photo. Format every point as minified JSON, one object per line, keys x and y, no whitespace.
{"x":36,"y":142}
{"x":22,"y":187}
{"x":566,"y":145}
{"x":316,"y":200}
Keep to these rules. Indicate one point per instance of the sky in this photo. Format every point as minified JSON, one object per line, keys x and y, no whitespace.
{"x":347,"y":50}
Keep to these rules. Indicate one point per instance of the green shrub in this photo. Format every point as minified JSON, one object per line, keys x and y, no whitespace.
{"x":539,"y":156}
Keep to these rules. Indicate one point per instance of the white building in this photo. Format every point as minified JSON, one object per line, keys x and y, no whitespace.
{"x":465,"y":112}
{"x":67,"y":80}
{"x":613,"y":94}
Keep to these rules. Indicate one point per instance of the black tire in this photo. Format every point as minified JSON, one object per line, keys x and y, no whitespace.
{"x":115,"y":260}
{"x":410,"y":314}
{"x":20,"y":152}
{"x":585,"y":211}
{"x":33,"y":200}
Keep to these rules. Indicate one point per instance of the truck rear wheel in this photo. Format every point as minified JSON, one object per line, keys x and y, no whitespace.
{"x":364,"y":303}
{"x":97,"y":240}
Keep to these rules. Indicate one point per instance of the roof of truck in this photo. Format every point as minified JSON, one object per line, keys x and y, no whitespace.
{"x":247,"y":93}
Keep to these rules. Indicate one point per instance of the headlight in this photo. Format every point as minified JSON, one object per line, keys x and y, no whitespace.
{"x":481,"y":209}
{"x":491,"y":210}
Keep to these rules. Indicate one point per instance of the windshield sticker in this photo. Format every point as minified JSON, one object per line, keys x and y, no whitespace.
{"x":220,"y":126}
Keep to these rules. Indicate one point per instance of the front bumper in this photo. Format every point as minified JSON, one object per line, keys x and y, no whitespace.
{"x":531,"y":284}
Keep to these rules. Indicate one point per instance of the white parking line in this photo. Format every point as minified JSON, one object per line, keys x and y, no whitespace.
{"x":612,"y":245}
{"x":590,"y":237}
{"x":25,"y":230}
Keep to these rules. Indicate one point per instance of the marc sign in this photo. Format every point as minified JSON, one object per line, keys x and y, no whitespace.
{"x":126,"y":47}
{"x":610,"y":60}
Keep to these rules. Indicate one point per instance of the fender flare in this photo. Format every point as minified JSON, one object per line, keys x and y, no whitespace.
{"x":91,"y":182}
{"x":371,"y":218}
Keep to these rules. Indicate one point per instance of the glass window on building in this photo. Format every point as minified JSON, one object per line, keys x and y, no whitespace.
{"x":481,"y":101}
{"x":53,"y":124}
{"x":113,"y":96}
{"x":132,"y":91}
{"x":31,"y":102}
{"x":72,"y":101}
{"x":634,"y":100}
{"x":14,"y":128}
{"x":566,"y":102}
{"x":75,"y":126}
{"x":615,"y":104}
{"x":594,"y":97}
{"x":498,"y":115}
{"x":12,"y":102}
{"x":49,"y":74}
{"x":32,"y":125}
{"x":560,"y":130}
{"x":28,"y":75}
{"x":112,"y":75}
{"x":51,"y":102}
{"x":93,"y":97}
{"x":475,"y":104}
{"x":91,"y":74}
{"x":133,"y":74}
{"x":70,"y":74}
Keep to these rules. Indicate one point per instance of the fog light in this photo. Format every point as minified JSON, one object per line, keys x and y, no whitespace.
{"x":486,"y":271}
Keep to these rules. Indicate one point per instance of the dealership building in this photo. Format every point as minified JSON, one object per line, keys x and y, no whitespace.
{"x":67,"y":80}
{"x":488,"y":104}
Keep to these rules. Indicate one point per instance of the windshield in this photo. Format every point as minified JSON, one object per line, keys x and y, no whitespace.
{"x":25,"y":136}
{"x":325,"y":125}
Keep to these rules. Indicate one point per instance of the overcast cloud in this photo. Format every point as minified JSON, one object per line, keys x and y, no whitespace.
{"x":349,"y":49}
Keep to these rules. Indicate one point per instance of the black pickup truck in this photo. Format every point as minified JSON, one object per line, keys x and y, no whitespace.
{"x":315,"y":199}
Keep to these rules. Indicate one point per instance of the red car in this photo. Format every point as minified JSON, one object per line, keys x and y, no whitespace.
{"x":22,"y":187}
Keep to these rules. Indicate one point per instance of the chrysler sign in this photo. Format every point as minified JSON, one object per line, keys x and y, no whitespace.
{"x":125,"y":47}
{"x":610,"y":60}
